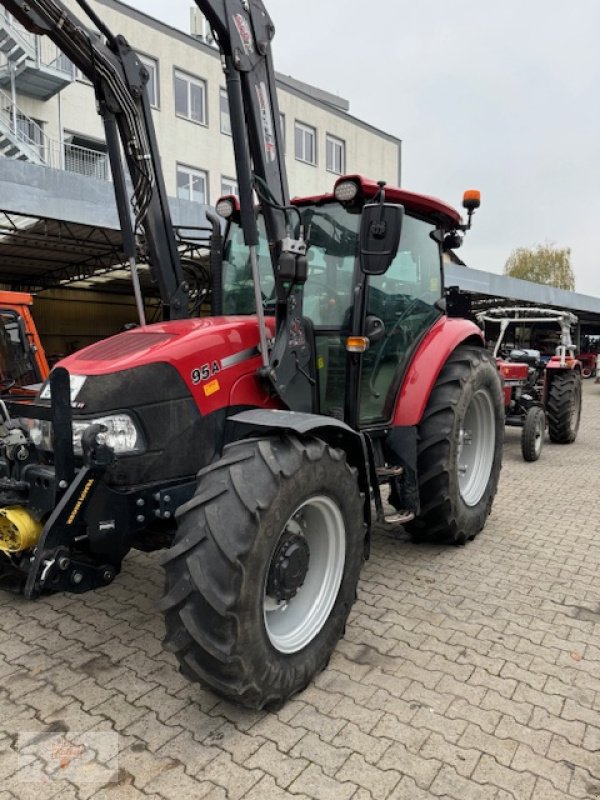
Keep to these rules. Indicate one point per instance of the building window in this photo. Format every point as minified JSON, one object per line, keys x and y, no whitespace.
{"x":224,"y":108}
{"x":336,"y":155}
{"x":192,"y":184}
{"x":64,"y":64}
{"x":305,"y":143}
{"x":190,"y":98}
{"x":229,"y":186}
{"x":151,"y":65}
{"x":31,"y":133}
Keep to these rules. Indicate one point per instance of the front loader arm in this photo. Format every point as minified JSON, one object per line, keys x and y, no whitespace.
{"x":243,"y":31}
{"x":119,"y":80}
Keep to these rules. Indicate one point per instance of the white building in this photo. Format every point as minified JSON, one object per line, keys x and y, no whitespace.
{"x":47,"y":112}
{"x":59,"y":232}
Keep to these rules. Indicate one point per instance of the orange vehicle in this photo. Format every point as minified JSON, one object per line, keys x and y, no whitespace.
{"x":22,"y":358}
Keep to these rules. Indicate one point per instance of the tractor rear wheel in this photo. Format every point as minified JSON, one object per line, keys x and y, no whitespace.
{"x":564,"y":407}
{"x":459,"y":453}
{"x":264,"y":567}
{"x":533,"y":433}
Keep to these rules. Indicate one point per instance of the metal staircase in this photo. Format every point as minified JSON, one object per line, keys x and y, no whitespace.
{"x":20,"y":136}
{"x":33,"y":65}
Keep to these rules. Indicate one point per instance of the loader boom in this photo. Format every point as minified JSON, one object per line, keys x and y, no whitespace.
{"x":243,"y":31}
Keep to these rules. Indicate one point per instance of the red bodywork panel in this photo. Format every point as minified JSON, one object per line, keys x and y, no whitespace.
{"x":511,"y":375}
{"x":419,"y":204}
{"x":570,"y":363}
{"x":510,"y":371}
{"x":433,"y":352}
{"x":217,"y":357}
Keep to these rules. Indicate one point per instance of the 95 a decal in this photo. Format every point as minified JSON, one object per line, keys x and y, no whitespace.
{"x":205,"y":372}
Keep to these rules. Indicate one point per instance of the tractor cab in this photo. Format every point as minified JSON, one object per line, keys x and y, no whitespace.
{"x":383,"y":317}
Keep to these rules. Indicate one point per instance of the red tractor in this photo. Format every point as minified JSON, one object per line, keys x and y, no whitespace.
{"x":540,"y":375}
{"x":253,"y":445}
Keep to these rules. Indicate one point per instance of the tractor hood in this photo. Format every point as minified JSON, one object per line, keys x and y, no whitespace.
{"x":216,"y":358}
{"x":176,"y":382}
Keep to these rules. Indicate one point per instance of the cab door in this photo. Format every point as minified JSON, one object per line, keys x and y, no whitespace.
{"x":403,"y":299}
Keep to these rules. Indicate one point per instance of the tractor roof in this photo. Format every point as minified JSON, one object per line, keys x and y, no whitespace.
{"x":419,"y":204}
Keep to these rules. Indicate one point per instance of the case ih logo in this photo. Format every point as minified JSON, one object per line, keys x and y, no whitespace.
{"x":267,"y":121}
{"x":245,"y":33}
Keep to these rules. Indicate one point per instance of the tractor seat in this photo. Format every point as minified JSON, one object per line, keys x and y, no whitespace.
{"x":530,"y":357}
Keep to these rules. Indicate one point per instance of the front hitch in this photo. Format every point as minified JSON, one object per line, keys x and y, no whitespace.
{"x":53,"y":563}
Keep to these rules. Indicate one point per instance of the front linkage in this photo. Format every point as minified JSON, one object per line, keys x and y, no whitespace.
{"x":89,"y":526}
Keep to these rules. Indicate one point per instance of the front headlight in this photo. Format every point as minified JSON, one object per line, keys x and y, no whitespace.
{"x":122,"y":434}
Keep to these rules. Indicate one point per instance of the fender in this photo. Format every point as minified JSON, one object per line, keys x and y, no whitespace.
{"x":433,"y":352}
{"x":554,"y":368}
{"x":570,"y":364}
{"x":332,"y":431}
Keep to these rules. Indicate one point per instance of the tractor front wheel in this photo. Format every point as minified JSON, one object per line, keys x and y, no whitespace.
{"x":264,"y":568}
{"x":459,"y":453}
{"x":564,"y":407}
{"x":533,"y":433}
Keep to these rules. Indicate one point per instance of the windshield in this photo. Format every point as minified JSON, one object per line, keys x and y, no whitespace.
{"x":332,"y":234}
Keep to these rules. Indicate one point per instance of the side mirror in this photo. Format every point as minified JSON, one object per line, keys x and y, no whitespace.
{"x":374,"y":329}
{"x":380,"y":229}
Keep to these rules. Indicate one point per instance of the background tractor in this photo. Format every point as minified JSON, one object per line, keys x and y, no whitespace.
{"x":540,"y":375}
{"x":22,"y":358}
{"x":252,"y":446}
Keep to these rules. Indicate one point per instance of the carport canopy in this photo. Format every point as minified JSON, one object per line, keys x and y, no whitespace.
{"x":59,"y":229}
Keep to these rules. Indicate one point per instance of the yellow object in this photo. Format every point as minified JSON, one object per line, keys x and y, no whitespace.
{"x":18,"y":530}
{"x":211,"y":388}
{"x":357,"y":344}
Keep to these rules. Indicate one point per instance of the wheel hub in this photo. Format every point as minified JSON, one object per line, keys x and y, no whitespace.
{"x":289,"y":567}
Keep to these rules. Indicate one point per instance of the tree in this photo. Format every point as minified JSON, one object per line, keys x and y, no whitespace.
{"x":546,"y":263}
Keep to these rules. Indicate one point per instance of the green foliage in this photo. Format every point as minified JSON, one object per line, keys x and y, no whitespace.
{"x":546,"y":263}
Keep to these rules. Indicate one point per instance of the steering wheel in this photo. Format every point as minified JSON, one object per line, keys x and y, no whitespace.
{"x":328,"y":297}
{"x":382,"y":352}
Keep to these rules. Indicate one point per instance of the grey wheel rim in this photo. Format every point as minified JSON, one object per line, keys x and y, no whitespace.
{"x":292,"y":625}
{"x":476,"y":447}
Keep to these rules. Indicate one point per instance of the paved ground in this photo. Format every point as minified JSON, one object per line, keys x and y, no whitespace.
{"x":469,"y":673}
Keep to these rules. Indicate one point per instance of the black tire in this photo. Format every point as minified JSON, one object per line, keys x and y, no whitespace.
{"x":564,"y":407}
{"x":533,"y":433}
{"x":228,"y":539}
{"x":449,"y":513}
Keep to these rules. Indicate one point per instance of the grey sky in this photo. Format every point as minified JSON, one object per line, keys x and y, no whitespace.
{"x":502,"y":97}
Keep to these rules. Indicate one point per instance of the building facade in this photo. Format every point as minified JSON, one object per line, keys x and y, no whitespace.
{"x":48,"y":116}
